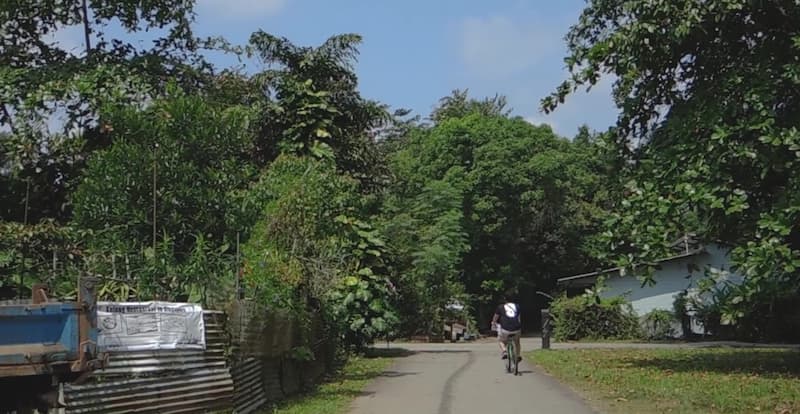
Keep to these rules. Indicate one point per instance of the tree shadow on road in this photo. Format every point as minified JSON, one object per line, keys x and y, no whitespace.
{"x":388,"y":353}
{"x":402,"y":352}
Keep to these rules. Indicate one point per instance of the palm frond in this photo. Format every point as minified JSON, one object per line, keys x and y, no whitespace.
{"x":342,"y":48}
{"x":274,"y":49}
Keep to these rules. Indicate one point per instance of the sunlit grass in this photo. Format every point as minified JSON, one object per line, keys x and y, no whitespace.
{"x":680,"y":381}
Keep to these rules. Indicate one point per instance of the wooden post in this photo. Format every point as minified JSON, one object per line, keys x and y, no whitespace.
{"x":39,"y":293}
{"x":127,"y":267}
{"x":87,"y":320}
{"x":55,"y":267}
{"x":155,"y":200}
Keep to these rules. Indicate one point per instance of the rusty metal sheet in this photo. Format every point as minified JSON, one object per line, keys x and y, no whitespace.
{"x":249,"y":390}
{"x":198,"y":389}
{"x":174,"y":381}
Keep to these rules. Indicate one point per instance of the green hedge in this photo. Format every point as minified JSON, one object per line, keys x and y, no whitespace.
{"x":589,"y":317}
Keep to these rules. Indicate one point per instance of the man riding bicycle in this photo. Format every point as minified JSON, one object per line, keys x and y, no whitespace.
{"x":507,"y":317}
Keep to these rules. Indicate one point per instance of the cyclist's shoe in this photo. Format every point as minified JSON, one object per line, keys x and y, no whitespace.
{"x":504,"y":356}
{"x":519,"y":359}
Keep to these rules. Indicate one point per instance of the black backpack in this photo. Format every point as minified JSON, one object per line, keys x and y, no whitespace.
{"x":509,"y":316}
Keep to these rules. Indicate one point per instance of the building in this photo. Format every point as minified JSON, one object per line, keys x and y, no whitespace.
{"x":673,"y":275}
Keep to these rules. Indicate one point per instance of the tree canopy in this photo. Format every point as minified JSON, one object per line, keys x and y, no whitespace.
{"x":171,"y":179}
{"x":515,"y":204}
{"x":707,"y":130}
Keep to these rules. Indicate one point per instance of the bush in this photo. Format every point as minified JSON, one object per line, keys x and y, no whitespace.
{"x":680,"y":308}
{"x":659,"y":324}
{"x":589,"y":317}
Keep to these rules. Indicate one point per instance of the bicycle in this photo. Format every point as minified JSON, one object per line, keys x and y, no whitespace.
{"x":511,"y":354}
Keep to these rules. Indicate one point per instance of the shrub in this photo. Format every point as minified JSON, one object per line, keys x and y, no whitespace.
{"x":680,"y":308}
{"x":589,"y":317}
{"x":659,"y":324}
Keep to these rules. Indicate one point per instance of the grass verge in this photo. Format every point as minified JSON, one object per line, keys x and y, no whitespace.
{"x":335,"y":396}
{"x":717,"y":380}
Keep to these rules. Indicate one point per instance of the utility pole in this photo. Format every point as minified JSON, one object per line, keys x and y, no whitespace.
{"x":24,"y":245}
{"x":155,"y":186}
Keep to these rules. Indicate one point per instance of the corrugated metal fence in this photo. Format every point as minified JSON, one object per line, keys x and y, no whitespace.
{"x":242,"y":370}
{"x":259,"y":368}
{"x":167,"y":381}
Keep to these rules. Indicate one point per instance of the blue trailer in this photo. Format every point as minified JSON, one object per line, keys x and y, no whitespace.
{"x":44,"y":343}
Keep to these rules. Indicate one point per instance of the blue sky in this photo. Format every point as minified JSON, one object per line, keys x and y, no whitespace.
{"x":417,"y":51}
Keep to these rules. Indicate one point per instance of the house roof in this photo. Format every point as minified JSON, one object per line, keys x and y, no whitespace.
{"x":689,"y":253}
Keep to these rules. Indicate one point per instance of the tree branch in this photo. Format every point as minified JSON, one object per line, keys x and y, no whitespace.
{"x":86,"y":29}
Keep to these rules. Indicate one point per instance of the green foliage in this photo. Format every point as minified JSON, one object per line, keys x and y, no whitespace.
{"x":589,"y":317}
{"x":708,"y":127}
{"x":680,"y":308}
{"x":301,"y":353}
{"x":428,"y":242}
{"x":198,"y":153}
{"x":658,"y":324}
{"x":46,"y":76}
{"x":51,"y":95}
{"x":311,"y":105}
{"x":308,"y":246}
{"x":362,"y":306}
{"x":158,"y":164}
{"x":27,"y":253}
{"x":458,"y":104}
{"x":296,"y":242}
{"x":529,"y":199}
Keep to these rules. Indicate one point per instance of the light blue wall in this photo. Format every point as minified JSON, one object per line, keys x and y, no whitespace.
{"x":673,"y":277}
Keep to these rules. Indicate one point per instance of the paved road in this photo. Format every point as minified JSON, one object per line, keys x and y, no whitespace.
{"x":468,"y":378}
{"x":464,"y":379}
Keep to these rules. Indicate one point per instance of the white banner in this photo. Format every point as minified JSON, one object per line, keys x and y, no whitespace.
{"x":141,"y":326}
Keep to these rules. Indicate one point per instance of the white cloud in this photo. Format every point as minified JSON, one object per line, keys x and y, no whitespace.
{"x":497,"y":47}
{"x":240,"y":9}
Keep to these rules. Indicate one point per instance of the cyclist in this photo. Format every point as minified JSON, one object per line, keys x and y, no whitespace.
{"x":507,"y":315}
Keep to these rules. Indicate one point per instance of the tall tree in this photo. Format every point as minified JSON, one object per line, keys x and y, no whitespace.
{"x":708,"y":93}
{"x":312,"y":105}
{"x":427,"y":241}
{"x":459,"y":104}
{"x":529,"y":199}
{"x":51,"y":94}
{"x":311,"y":250}
{"x":162,"y":188}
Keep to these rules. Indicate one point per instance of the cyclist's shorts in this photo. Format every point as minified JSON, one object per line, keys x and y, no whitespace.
{"x":503,"y":334}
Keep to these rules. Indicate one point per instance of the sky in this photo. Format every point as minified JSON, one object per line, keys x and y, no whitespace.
{"x":417,"y":51}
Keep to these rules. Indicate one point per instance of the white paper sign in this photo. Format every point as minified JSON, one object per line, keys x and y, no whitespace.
{"x":141,"y":326}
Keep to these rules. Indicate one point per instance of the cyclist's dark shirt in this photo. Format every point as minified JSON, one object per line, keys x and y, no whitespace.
{"x":508,"y":323}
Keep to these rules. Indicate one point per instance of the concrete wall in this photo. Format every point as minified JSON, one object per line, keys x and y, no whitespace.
{"x":673,"y":277}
